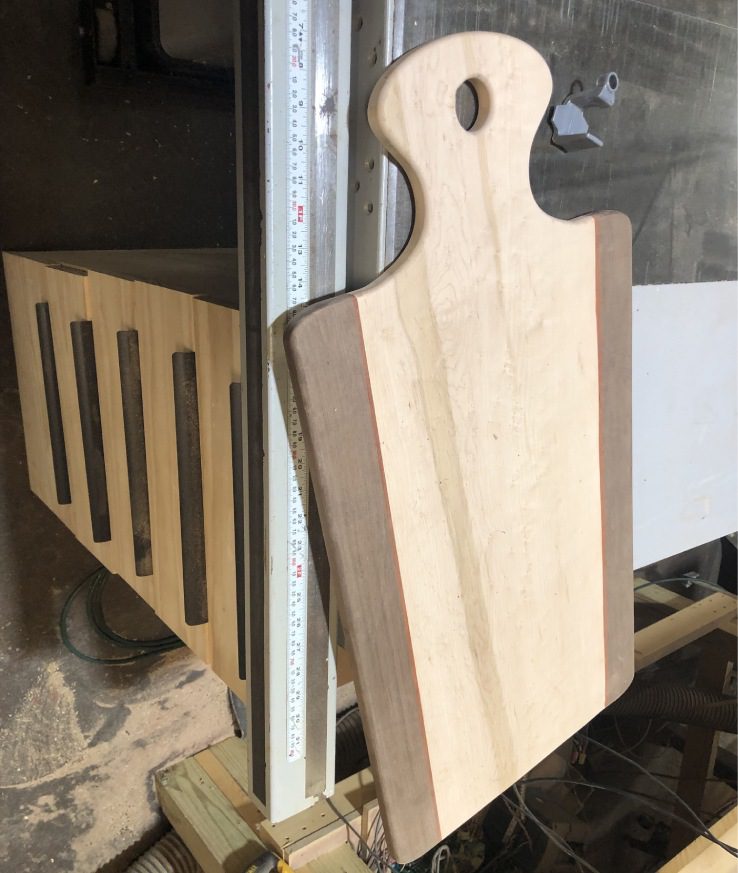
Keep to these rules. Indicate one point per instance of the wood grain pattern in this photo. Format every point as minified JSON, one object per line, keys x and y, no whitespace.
{"x":164,"y":321}
{"x":165,"y":325}
{"x":112,"y":306}
{"x":205,"y":798}
{"x":210,"y":827}
{"x":467,"y":417}
{"x":216,"y":332}
{"x":683,"y":627}
{"x":25,"y":292}
{"x":614,"y":339}
{"x":363,"y":552}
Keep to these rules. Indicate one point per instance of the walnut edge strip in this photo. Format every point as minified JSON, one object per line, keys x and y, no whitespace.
{"x":325,"y":352}
{"x":614,"y":338}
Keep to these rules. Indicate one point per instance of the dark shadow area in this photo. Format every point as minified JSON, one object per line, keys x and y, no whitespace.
{"x":147,"y":164}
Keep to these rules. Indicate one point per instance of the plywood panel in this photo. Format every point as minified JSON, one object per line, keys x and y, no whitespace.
{"x":468,"y":423}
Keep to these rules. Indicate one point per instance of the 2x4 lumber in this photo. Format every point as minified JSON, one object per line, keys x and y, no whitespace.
{"x":205,"y":819}
{"x":689,"y":624}
{"x":656,"y":593}
{"x":205,"y":799}
{"x":341,"y":860}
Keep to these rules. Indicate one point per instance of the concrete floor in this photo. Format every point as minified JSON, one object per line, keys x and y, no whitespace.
{"x":90,"y":167}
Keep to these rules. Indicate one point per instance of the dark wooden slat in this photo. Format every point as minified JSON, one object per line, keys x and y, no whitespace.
{"x":85,"y":369}
{"x":189,"y":469}
{"x":53,"y":404}
{"x":238,"y":524}
{"x":129,"y":363}
{"x":249,"y":82}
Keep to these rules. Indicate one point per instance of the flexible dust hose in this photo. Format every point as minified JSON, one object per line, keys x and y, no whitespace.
{"x":678,"y":703}
{"x":169,"y":855}
{"x":351,"y":753}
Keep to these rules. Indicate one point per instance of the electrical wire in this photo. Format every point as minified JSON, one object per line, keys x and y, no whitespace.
{"x":344,"y":715}
{"x":646,"y":799}
{"x":675,"y":776}
{"x":642,"y":739}
{"x":703,"y":827}
{"x":558,"y":841}
{"x":362,"y":842}
{"x":95,"y":585}
{"x":440,"y":859}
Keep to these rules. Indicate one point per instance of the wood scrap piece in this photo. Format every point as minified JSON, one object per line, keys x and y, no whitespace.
{"x":208,"y":824}
{"x":657,"y":593}
{"x":689,"y":624}
{"x":341,"y":860}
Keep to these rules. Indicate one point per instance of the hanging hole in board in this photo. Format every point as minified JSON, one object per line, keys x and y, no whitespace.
{"x":472,"y":104}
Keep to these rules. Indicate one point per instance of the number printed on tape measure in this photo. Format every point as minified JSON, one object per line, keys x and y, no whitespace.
{"x":298,"y":293}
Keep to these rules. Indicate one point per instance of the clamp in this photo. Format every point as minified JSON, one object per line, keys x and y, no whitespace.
{"x":571,"y":130}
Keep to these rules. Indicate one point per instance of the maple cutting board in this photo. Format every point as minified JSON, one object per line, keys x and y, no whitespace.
{"x":468,"y":421}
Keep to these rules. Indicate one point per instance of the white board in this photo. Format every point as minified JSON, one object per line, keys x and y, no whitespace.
{"x":685,"y":417}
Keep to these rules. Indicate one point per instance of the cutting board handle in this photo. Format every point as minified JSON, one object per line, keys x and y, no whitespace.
{"x":414,"y":114}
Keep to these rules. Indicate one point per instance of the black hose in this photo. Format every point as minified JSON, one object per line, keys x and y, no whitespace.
{"x":351,"y":751}
{"x":679,"y":703}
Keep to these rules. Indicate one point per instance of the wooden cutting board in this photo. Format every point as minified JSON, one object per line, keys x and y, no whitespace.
{"x":467,"y":418}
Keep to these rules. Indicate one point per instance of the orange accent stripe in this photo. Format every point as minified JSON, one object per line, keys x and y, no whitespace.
{"x":395,"y":557}
{"x":603,"y":519}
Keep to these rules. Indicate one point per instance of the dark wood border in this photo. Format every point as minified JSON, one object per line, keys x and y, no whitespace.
{"x":325,"y":353}
{"x":614,"y":333}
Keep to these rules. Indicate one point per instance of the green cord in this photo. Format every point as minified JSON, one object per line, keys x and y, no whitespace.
{"x":95,"y":583}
